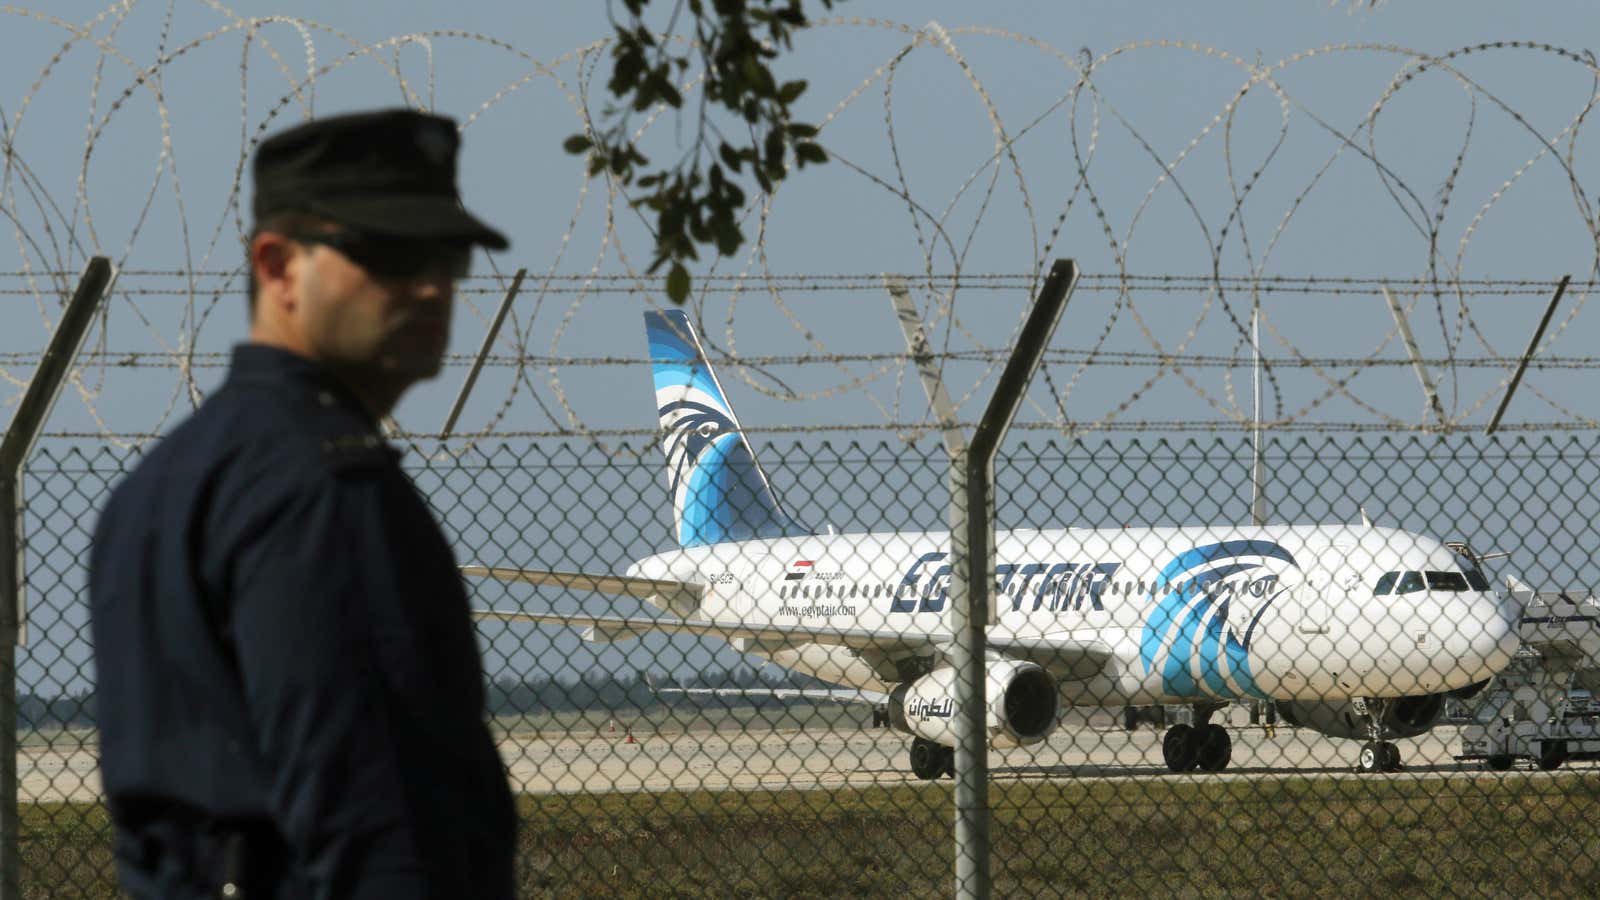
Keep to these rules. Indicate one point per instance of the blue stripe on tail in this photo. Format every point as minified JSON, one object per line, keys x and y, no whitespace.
{"x":719,"y":492}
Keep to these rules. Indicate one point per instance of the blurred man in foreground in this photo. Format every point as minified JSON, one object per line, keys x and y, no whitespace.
{"x":290,"y":694}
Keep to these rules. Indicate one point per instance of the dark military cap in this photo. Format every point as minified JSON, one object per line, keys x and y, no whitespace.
{"x":391,"y":172}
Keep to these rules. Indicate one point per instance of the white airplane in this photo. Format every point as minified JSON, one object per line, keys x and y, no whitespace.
{"x":1355,"y":631}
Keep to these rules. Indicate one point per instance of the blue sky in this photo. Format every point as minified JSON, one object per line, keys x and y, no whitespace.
{"x":920,"y":127}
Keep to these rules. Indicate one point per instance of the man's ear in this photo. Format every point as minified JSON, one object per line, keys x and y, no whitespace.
{"x":270,"y":255}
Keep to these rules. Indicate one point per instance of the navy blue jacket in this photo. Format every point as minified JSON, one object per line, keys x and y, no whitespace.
{"x":289,"y":689}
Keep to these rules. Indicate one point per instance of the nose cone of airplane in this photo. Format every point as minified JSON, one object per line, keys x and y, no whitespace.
{"x":1497,"y":637}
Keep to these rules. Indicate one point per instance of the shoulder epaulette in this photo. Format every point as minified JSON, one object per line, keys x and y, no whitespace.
{"x":357,"y":450}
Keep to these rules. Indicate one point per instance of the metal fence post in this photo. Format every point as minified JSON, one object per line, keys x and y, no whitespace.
{"x":972,"y":551}
{"x":20,"y":435}
{"x":483,"y":353}
{"x":10,"y":574}
{"x":1527,"y":355}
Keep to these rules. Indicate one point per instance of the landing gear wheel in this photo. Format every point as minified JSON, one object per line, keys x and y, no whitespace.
{"x":1179,"y":749}
{"x":1499,"y":762}
{"x":1391,"y":756}
{"x":1552,"y":754}
{"x":1377,"y":754}
{"x":1373,"y":757}
{"x":947,"y":765}
{"x":927,"y":759}
{"x":1215,"y":748}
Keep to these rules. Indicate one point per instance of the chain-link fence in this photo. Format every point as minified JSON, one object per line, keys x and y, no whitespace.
{"x":1211,"y":693}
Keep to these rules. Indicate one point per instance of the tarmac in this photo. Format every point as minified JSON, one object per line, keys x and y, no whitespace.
{"x":846,"y":755}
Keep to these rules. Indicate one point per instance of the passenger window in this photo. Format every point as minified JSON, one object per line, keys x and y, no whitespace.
{"x":1385,"y":584}
{"x":1410,"y":583}
{"x":1447,"y":581}
{"x":783,"y":593}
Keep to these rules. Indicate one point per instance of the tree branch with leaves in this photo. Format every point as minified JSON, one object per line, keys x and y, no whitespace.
{"x":745,"y":124}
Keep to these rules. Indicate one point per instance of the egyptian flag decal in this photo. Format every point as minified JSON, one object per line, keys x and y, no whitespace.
{"x":798,"y":570}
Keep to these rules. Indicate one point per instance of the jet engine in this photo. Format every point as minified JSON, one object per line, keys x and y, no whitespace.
{"x":1021,"y":707}
{"x":1402,"y":717}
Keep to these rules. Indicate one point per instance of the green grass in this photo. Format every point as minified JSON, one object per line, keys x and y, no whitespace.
{"x":66,"y":850}
{"x":1499,"y":836}
{"x":58,"y":737}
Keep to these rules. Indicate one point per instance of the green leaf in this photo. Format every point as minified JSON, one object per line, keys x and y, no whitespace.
{"x":669,"y":225}
{"x":578,"y":143}
{"x":806,"y":151}
{"x":752,"y":72}
{"x":625,"y":73}
{"x":791,"y":91}
{"x":728,"y":236}
{"x":730,"y":157}
{"x":765,"y":84}
{"x":678,"y":284}
{"x":773,"y":162}
{"x":801,"y":130}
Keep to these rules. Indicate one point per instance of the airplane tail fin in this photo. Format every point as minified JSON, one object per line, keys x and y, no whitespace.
{"x":719,"y":492}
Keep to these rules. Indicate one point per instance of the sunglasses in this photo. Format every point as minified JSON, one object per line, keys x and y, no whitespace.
{"x":390,"y":257}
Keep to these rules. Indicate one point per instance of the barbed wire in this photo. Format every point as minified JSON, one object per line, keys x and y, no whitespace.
{"x":1246,"y":177}
{"x":1088,"y":282}
{"x":910,"y":431}
{"x":220,"y":360}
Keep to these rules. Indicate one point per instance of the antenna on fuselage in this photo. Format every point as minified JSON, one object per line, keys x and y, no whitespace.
{"x":1365,"y":519}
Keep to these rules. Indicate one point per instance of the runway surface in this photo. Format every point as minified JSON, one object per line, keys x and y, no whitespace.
{"x":601,"y":760}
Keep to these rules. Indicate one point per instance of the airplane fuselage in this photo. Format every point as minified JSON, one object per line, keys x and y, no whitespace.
{"x":1188,"y":614}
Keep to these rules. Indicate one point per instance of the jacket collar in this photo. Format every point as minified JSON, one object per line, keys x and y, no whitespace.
{"x":264,"y":364}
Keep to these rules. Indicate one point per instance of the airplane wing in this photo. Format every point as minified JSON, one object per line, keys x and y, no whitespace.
{"x":624,"y":627}
{"x":838,"y":695}
{"x":1065,"y":656}
{"x":674,"y":596}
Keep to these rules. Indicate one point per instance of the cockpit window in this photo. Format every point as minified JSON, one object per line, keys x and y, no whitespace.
{"x":1385,"y":583}
{"x":1474,"y":574}
{"x":1447,"y":581}
{"x":1410,"y":583}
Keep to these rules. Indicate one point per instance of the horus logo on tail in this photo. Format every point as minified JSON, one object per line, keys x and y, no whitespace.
{"x":695,"y":428}
{"x":1204,"y":617}
{"x":719,"y":493}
